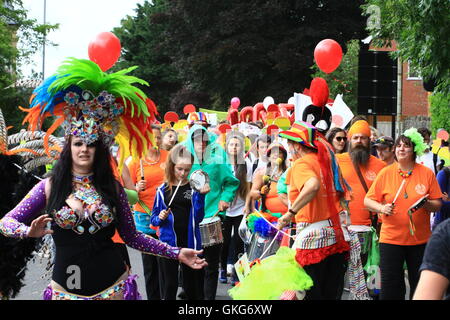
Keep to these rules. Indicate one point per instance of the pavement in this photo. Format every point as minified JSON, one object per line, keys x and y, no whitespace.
{"x":36,"y":280}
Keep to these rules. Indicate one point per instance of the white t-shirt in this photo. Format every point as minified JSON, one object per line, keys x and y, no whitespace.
{"x":238,"y":204}
{"x":427,"y":160}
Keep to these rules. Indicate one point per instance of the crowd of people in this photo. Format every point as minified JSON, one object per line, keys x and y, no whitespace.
{"x":328,"y":185}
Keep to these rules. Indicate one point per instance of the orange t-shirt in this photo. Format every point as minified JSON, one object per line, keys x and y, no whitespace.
{"x":301,"y":171}
{"x":273,"y":203}
{"x":359,"y":215}
{"x":153,"y":174}
{"x":116,"y":238}
{"x":395,"y":228}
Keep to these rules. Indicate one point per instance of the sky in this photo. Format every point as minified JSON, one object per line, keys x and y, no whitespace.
{"x":80,"y":22}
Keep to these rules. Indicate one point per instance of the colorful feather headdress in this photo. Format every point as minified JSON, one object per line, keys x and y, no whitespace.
{"x":91,"y":104}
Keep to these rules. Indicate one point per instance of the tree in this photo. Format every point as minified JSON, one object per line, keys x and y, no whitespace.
{"x":211,"y":51}
{"x":344,"y":80}
{"x":420,"y":29}
{"x":141,"y":38}
{"x":253,"y":49}
{"x":20,"y":37}
{"x":439,"y":107}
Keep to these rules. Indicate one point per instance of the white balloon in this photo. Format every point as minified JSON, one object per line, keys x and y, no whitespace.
{"x":291,"y":100}
{"x":268,"y":101}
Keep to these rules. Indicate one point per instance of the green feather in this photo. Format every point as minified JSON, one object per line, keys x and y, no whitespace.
{"x":87,"y":75}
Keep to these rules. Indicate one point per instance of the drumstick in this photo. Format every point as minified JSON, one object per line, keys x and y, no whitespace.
{"x":398,"y":192}
{"x":173,"y":196}
{"x":215,"y":214}
{"x":249,"y":150}
{"x":142,"y":170}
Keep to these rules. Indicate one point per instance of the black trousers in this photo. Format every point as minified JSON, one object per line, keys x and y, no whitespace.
{"x":229,"y":224}
{"x":392,"y":259}
{"x":328,"y":277}
{"x":151,"y":275}
{"x":212,"y":256}
{"x":192,"y":280}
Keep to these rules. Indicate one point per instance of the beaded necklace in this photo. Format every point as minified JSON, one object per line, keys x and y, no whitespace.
{"x":405,"y":175}
{"x":86,"y":193}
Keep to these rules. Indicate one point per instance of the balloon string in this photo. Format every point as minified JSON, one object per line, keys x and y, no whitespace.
{"x":270,"y":245}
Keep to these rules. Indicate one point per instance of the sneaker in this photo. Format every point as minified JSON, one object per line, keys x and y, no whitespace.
{"x":182,"y":295}
{"x":223,"y":276}
{"x":230,"y":268}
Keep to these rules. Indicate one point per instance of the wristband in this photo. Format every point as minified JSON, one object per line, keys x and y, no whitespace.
{"x":292,"y":212}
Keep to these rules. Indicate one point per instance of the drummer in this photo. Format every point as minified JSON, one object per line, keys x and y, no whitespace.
{"x":404,"y":233}
{"x":210,"y":157}
{"x":314,"y":193}
{"x":265,"y":181}
{"x":178,"y":210}
{"x":358,"y":158}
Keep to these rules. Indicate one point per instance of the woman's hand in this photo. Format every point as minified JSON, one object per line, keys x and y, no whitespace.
{"x":445,"y":196}
{"x":284,"y":220}
{"x":190,"y":258}
{"x":164,"y":214}
{"x":38,"y":227}
{"x":223,"y":206}
{"x":264,"y":190}
{"x":387,"y":209}
{"x":206,"y":188}
{"x":141,"y":185}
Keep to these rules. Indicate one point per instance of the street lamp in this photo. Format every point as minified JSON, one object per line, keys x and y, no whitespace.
{"x":45,"y":38}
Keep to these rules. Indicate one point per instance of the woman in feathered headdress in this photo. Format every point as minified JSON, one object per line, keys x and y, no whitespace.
{"x":83,"y":201}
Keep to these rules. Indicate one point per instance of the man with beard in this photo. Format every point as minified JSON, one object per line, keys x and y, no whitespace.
{"x":359,"y":169}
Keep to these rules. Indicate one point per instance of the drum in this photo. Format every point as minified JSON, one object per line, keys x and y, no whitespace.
{"x":364,"y":235}
{"x":198,"y":179}
{"x":211,"y":231}
{"x":260,"y":244}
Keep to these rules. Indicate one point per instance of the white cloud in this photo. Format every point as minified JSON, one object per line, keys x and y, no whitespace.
{"x":80,"y":21}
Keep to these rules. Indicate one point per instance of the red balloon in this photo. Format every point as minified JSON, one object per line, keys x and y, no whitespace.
{"x":328,"y":55}
{"x":189,"y":108}
{"x":105,"y":50}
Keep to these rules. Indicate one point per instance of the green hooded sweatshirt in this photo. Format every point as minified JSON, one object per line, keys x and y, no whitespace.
{"x":222,"y":181}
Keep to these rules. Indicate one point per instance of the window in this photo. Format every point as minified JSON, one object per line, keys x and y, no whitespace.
{"x":413,"y":73}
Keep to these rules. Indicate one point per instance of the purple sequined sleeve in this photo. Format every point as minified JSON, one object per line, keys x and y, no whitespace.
{"x":14,"y":224}
{"x":139,"y":240}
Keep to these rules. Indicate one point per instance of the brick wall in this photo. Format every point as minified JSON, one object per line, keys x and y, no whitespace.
{"x":414,"y":96}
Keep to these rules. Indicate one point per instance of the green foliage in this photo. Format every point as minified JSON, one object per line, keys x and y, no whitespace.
{"x":20,"y":37}
{"x":344,"y":80}
{"x":440,"y":105}
{"x":253,"y":49}
{"x":206,"y":52}
{"x":421,"y":30}
{"x":141,"y":38}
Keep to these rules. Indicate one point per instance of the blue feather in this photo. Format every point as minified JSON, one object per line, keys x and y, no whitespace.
{"x":48,"y":99}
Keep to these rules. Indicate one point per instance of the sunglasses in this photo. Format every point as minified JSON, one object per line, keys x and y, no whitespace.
{"x":339,"y":139}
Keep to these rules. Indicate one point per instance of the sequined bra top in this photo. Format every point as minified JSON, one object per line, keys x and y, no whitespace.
{"x":93,"y":210}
